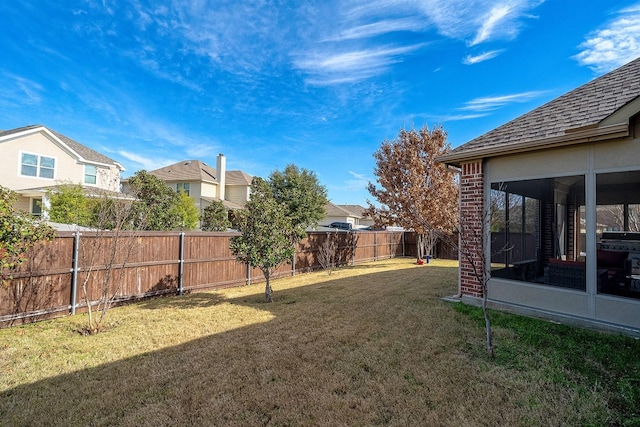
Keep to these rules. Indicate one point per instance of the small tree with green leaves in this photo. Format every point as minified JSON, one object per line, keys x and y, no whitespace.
{"x":304,"y":197}
{"x":186,"y":211}
{"x":266,"y":231}
{"x":215,"y":217}
{"x":19,"y":233}
{"x":155,"y":207}
{"x":68,"y":204}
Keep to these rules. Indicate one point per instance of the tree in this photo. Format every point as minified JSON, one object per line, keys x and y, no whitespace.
{"x":155,"y":207}
{"x":104,"y":254}
{"x":69,"y":205}
{"x":215,"y":217}
{"x":187,"y":212}
{"x":304,"y":197}
{"x":471,"y":248}
{"x":473,"y":228}
{"x":415,"y":192}
{"x":265,"y":242}
{"x":327,"y":252}
{"x":19,"y":233}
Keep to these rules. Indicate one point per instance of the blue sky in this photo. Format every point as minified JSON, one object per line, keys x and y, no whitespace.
{"x":319,"y":83}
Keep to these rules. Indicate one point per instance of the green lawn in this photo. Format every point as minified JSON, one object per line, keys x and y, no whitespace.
{"x":367,"y":345}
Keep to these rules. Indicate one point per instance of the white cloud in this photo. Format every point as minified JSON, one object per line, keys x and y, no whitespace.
{"x":479,"y":20}
{"x":358,"y":182}
{"x":198,"y":151}
{"x":20,"y":89}
{"x":354,"y":41}
{"x":378,"y":28}
{"x":614,"y":45}
{"x":340,"y":67}
{"x":146,"y":163}
{"x":494,"y":102}
{"x":496,"y":16}
{"x":485,"y":56}
{"x":460,"y":117}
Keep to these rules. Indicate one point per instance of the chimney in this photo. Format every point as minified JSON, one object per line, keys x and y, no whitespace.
{"x":221,"y":170}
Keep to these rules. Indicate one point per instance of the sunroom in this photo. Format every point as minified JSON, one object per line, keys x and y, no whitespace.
{"x":559,"y":189}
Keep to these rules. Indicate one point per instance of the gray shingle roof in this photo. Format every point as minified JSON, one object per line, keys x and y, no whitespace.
{"x":357,"y":210}
{"x":187,"y":170}
{"x":336,"y":210}
{"x":196,"y":170}
{"x":584,"y":107}
{"x":238,"y":178}
{"x":227,"y":203}
{"x":85,"y":152}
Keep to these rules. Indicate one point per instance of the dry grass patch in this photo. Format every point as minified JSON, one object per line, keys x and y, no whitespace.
{"x":367,"y":345}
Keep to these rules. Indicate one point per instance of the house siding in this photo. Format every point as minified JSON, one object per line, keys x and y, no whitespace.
{"x":237,"y":194}
{"x":208,"y":190}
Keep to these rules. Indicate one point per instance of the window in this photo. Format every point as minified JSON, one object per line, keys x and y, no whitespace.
{"x":39,"y":166}
{"x":36,"y":207}
{"x":534,"y":231}
{"x":183,"y":187}
{"x":47,"y":165}
{"x":90,"y":174}
{"x":29,"y":165}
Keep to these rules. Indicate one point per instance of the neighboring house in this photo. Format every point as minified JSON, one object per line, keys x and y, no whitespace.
{"x":37,"y":159}
{"x":204,"y":184}
{"x":358,"y":211}
{"x":557,"y":178}
{"x":351,"y":214}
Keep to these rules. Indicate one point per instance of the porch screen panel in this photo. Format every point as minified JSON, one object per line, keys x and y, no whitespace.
{"x":618,"y":233}
{"x":532,"y":225}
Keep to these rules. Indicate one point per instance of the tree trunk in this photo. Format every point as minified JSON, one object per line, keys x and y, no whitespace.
{"x":420,"y":245}
{"x":487,"y":320}
{"x":268,"y":294}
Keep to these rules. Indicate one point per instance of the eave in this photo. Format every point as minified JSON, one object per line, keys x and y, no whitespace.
{"x":582,"y":135}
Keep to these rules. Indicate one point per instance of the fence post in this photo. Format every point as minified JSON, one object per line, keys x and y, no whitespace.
{"x":181,"y":263}
{"x":248,"y":274}
{"x":74,"y":274}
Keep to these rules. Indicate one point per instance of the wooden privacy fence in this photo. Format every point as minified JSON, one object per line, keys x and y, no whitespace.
{"x":57,"y":275}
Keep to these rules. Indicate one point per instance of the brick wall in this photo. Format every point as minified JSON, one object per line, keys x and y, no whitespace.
{"x":471,"y":217}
